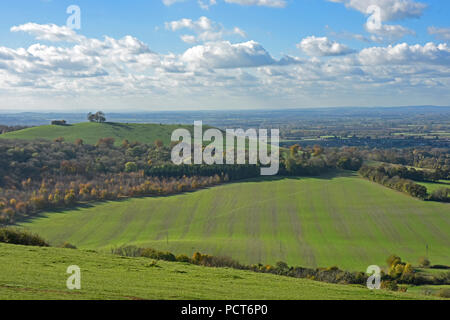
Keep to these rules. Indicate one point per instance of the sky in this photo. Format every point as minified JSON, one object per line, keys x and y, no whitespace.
{"x":156,"y":55}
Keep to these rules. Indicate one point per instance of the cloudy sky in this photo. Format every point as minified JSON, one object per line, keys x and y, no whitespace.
{"x":223,"y":54}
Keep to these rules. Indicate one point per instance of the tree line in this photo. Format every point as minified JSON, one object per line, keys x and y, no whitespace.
{"x":394,"y":178}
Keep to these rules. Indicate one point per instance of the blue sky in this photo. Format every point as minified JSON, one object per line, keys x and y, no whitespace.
{"x":170,"y":55}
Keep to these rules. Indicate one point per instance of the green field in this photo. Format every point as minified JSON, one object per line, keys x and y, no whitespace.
{"x":333,"y":220}
{"x":92,"y":132}
{"x":40,"y":273}
{"x":432,"y":186}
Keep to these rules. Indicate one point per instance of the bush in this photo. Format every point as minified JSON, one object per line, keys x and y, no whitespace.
{"x":67,"y":245}
{"x":393,"y":260}
{"x":443,"y":293}
{"x":183,"y":258}
{"x":131,"y":167}
{"x":389,"y":285}
{"x":282,"y":266}
{"x":21,"y":237}
{"x":424,"y":262}
{"x":158,"y":255}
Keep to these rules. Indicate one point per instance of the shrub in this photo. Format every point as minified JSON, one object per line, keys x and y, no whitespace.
{"x":443,"y":293}
{"x":67,"y":245}
{"x":131,"y":167}
{"x":183,"y":258}
{"x":282,"y":266}
{"x":158,"y":255}
{"x":21,"y":237}
{"x":197,"y":257}
{"x":393,"y":260}
{"x":408,"y":269}
{"x":389,"y":285}
{"x":424,"y":262}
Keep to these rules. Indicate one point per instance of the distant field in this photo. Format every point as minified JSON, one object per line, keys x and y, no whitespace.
{"x":92,"y":132}
{"x":436,"y":185}
{"x":40,"y":273}
{"x":344,"y":221}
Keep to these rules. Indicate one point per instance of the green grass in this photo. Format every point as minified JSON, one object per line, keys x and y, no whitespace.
{"x":336,"y":220}
{"x":433,"y":186}
{"x":40,"y":273}
{"x":92,"y":132}
{"x":426,"y":290}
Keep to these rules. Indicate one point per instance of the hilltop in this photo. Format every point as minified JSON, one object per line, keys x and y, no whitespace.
{"x":106,"y":276}
{"x":91,"y":132}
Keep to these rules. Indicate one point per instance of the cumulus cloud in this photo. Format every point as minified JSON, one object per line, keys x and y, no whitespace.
{"x":404,"y":54}
{"x":322,"y":47}
{"x":108,"y":71}
{"x":226,"y":55}
{"x":204,"y":29}
{"x":380,"y":11}
{"x":387,"y":32}
{"x":391,"y":10}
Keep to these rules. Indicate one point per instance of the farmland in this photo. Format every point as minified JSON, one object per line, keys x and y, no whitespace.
{"x":331,"y":220}
{"x":40,"y":273}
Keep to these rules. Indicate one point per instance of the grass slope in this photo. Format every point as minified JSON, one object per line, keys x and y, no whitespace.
{"x":344,"y":221}
{"x":40,"y":273}
{"x":92,"y":132}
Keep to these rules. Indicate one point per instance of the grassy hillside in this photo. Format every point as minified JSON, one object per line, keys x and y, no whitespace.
{"x":344,"y":221}
{"x":92,"y":132}
{"x":40,"y":273}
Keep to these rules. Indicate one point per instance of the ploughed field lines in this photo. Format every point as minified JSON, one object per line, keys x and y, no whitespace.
{"x":344,"y":221}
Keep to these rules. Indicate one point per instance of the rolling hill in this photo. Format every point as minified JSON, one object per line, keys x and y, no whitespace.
{"x":40,"y":273}
{"x":92,"y":132}
{"x":331,"y":220}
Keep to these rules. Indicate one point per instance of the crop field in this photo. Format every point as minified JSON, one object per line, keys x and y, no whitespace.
{"x":40,"y":273}
{"x":333,"y":220}
{"x":90,"y":133}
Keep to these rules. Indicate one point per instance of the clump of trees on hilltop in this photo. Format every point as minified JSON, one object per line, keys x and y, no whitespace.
{"x":98,"y":117}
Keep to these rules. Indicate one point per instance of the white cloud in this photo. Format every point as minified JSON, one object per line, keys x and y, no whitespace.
{"x":49,"y":32}
{"x":322,"y":47}
{"x":388,"y":32}
{"x":391,"y":10}
{"x":125,"y":72}
{"x":404,"y":54}
{"x":440,"y":33}
{"x":205,"y":30}
{"x":205,"y":4}
{"x":226,"y":55}
{"x":171,"y":2}
{"x":265,"y":3}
